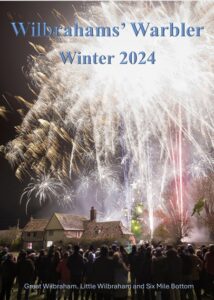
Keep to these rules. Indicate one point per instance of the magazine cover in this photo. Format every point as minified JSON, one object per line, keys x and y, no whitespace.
{"x":106,"y":150}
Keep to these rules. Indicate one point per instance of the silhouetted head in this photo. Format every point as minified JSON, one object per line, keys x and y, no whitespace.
{"x":199,"y":253}
{"x":51,"y":250}
{"x":76,"y":248}
{"x":57,"y":255}
{"x":171,"y":253}
{"x":123,"y":250}
{"x":168,"y":247}
{"x":104,"y":251}
{"x":211,"y":248}
{"x":90,"y":257}
{"x":65,"y":255}
{"x":22,"y":254}
{"x":191,"y":250}
{"x":158,"y":252}
{"x":10,"y":256}
{"x":42,"y":252}
{"x":5,"y":250}
{"x":91,"y":248}
{"x":148,"y":250}
{"x":134,"y":249}
{"x":141,"y":249}
{"x":204,"y":250}
{"x":114,"y":247}
{"x":69,"y":247}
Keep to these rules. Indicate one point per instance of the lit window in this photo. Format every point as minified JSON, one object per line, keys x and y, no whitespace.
{"x":29,"y":245}
{"x":49,"y":243}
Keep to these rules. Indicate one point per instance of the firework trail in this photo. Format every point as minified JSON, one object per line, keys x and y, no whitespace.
{"x":3,"y":111}
{"x":119,"y":126}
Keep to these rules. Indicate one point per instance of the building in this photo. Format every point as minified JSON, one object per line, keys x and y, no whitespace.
{"x":62,"y":228}
{"x":33,"y":234}
{"x":111,"y":230}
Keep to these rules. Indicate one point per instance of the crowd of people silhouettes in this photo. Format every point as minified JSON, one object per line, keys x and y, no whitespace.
{"x":109,"y":272}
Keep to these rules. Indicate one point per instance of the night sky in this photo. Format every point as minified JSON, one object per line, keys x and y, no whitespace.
{"x":13,"y":57}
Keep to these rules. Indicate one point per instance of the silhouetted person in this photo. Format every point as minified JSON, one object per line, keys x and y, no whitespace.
{"x":25,"y":274}
{"x":64,"y":274}
{"x":139,"y":270}
{"x":76,"y":267}
{"x":103,"y":274}
{"x":89,"y":275}
{"x":124,"y":255}
{"x":147,"y":273}
{"x":132,"y":259}
{"x":187,"y":267}
{"x":8,"y":274}
{"x":51,"y":276}
{"x":120,"y":277}
{"x":173,"y":272}
{"x":209,"y":267}
{"x":3,"y":254}
{"x":40,"y":270}
{"x":159,"y":270}
{"x":196,"y":269}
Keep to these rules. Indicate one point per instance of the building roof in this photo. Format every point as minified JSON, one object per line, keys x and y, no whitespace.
{"x":90,"y":229}
{"x":125,"y":230}
{"x":71,"y":222}
{"x":102,"y":230}
{"x":35,"y":225}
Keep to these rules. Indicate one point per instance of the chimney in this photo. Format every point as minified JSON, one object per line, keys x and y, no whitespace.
{"x":93,"y":214}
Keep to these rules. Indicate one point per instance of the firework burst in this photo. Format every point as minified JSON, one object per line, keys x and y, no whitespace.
{"x":144,"y":124}
{"x":44,"y":188}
